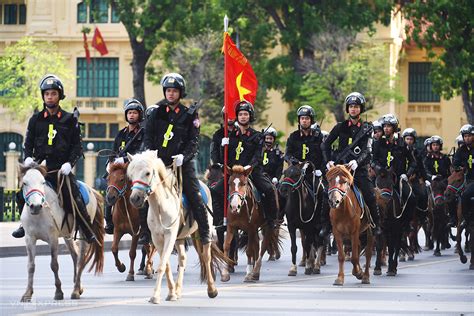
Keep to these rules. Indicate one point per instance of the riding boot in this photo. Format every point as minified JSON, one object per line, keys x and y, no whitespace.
{"x":452,"y":214}
{"x":270,"y":210}
{"x":325,"y":220}
{"x":109,"y":226}
{"x":20,"y":202}
{"x":374,"y":213}
{"x":200,"y":215}
{"x":144,"y":230}
{"x":84,"y":220}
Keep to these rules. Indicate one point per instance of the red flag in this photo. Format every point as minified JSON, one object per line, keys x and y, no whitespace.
{"x":86,"y":47}
{"x":98,"y":43}
{"x":240,"y":80}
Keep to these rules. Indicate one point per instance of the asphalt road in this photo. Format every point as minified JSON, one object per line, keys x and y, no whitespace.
{"x":427,"y":286}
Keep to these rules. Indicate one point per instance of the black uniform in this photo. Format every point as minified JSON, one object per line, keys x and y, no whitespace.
{"x":347,"y":132}
{"x":419,"y":190}
{"x":272,"y":162}
{"x":57,"y":140}
{"x":246,"y":149}
{"x":216,"y":152}
{"x":437,"y":165}
{"x":174,"y":132}
{"x":464,"y":157}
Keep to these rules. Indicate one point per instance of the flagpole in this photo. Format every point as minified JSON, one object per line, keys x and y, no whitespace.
{"x":226,"y":131}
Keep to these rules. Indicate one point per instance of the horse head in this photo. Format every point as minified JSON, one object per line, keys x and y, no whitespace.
{"x":33,"y":188}
{"x":144,"y":171}
{"x":456,"y":184}
{"x":292,"y":179}
{"x":213,"y":174}
{"x":117,"y":183}
{"x":238,"y":186}
{"x":384,"y":181}
{"x":438,"y":187}
{"x":340,"y":180}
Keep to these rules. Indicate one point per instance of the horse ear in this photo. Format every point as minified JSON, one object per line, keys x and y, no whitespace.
{"x":229,"y":169}
{"x":43,"y":163}
{"x":247,"y":170}
{"x":129,"y":157}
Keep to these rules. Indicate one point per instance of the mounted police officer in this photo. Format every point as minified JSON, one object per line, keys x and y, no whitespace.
{"x":378,"y":130}
{"x":128,"y":140}
{"x":437,"y":163}
{"x":173,"y":130}
{"x":245,"y":148}
{"x":355,"y":147}
{"x":54,"y":136}
{"x":217,"y":156}
{"x":464,"y":158}
{"x":272,"y":158}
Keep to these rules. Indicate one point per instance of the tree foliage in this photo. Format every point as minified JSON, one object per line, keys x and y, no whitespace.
{"x":22,"y":67}
{"x":447,"y":25}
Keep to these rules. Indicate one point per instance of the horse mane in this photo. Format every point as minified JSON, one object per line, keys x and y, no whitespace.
{"x":118,"y":166}
{"x":340,"y":170}
{"x":238,"y":169}
{"x":42,"y":169}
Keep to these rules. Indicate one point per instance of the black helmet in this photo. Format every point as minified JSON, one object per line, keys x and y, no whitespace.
{"x":355,"y":98}
{"x":377,"y":125}
{"x":466,"y":129}
{"x":133,"y":104}
{"x":409,"y":132}
{"x":389,"y":119}
{"x":427,"y":142}
{"x":305,"y":110}
{"x":437,"y":139}
{"x":150,"y":110}
{"x":270,"y":131}
{"x":245,"y":106}
{"x":459,"y":140}
{"x":51,"y":81}
{"x":174,"y":80}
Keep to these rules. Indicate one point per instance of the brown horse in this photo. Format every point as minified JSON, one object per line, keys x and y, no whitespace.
{"x":245,"y":213}
{"x":348,"y":222}
{"x":456,"y":186}
{"x":126,"y":219}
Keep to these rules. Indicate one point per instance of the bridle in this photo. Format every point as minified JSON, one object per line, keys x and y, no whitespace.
{"x":143,"y":186}
{"x":33,"y":192}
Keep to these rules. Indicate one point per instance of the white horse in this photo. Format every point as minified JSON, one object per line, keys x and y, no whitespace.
{"x":42,"y":219}
{"x":169,"y":224}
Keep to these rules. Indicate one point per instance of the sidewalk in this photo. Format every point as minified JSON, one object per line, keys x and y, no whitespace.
{"x":15,"y":247}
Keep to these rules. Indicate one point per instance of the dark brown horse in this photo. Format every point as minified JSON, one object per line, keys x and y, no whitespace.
{"x":125,"y":218}
{"x":245,"y":213}
{"x":439,"y":210}
{"x":348,"y":222}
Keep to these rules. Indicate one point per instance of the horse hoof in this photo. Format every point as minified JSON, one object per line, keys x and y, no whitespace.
{"x":365,"y":281}
{"x":292,"y":273}
{"x":402,"y":259}
{"x":316,"y":271}
{"x":172,"y":297}
{"x":26,"y":299}
{"x":75,"y":296}
{"x":302,"y":263}
{"x":149,"y":276}
{"x":323,"y":262}
{"x":391,"y":273}
{"x":471,"y":266}
{"x":249,"y":279}
{"x":154,"y":300}
{"x":463,"y":259}
{"x":59,"y":296}
{"x":130,"y":277}
{"x":437,"y":254}
{"x":411,"y":258}
{"x":255,"y":276}
{"x":81,"y":291}
{"x":456,"y":250}
{"x":212,"y":294}
{"x":140,"y":272}
{"x":121,"y":268}
{"x":338,"y":282}
{"x":225,"y":278}
{"x":278,"y":256}
{"x":378,"y":272}
{"x":271,"y":258}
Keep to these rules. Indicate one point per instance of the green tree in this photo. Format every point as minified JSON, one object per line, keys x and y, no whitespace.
{"x":22,"y":67}
{"x":447,"y":25}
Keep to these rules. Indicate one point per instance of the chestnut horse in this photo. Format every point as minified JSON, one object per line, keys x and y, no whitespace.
{"x":245,"y":213}
{"x":125,"y":218}
{"x":348,"y":221}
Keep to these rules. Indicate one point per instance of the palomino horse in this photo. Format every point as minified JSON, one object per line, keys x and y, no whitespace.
{"x":348,"y":221}
{"x":303,"y":211}
{"x":125,"y":218}
{"x":170,"y":223}
{"x":438,"y":209}
{"x":42,"y":217}
{"x":456,"y":186}
{"x":245,"y":213}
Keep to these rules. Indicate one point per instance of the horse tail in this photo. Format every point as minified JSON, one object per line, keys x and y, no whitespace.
{"x":275,"y":243}
{"x":97,"y":248}
{"x":199,"y":248}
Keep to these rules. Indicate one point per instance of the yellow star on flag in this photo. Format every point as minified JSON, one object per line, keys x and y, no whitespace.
{"x":98,"y":40}
{"x":242,"y":90}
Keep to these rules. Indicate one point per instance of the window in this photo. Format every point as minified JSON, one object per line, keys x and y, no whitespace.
{"x":22,"y":14}
{"x":10,"y":16}
{"x":81,"y":13}
{"x":113,"y":130}
{"x":115,"y":16}
{"x":100,"y":78}
{"x":420,"y":88}
{"x":96,"y":130}
{"x":98,"y":11}
{"x":5,"y":140}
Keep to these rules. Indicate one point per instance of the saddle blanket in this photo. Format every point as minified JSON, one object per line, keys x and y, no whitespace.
{"x":84,"y":192}
{"x":359,"y":197}
{"x":205,"y":198}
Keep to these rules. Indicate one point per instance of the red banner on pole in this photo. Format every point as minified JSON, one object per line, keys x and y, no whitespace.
{"x":98,"y":43}
{"x":86,"y":48}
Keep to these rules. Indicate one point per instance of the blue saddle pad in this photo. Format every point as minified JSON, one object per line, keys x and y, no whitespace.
{"x":205,"y":198}
{"x":358,"y":196}
{"x":84,"y":192}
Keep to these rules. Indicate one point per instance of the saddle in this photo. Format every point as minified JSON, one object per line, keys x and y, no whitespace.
{"x":256,"y":192}
{"x":363,"y":206}
{"x":205,"y":198}
{"x":82,"y":189}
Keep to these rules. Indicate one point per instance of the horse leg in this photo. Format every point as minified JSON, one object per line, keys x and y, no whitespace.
{"x":320,"y":253}
{"x":142,"y":261}
{"x":181,"y":265}
{"x":155,"y":299}
{"x":340,"y":258}
{"x":259,"y":253}
{"x":207,"y":258}
{"x":356,"y":270}
{"x":303,"y":254}
{"x":31,"y":251}
{"x":59,"y":295}
{"x":115,"y":243}
{"x":77,"y":290}
{"x":471,"y":245}
{"x":150,"y":253}
{"x":251,"y":255}
{"x":225,"y":276}
{"x":368,"y":256}
{"x":72,"y":246}
{"x":132,"y":254}
{"x":308,"y":249}
{"x":294,"y":249}
{"x":378,"y":260}
{"x":171,"y":285}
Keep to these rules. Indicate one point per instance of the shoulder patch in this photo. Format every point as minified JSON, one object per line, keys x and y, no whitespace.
{"x":196,"y":123}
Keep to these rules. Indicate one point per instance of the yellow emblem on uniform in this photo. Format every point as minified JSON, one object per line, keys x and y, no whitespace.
{"x":238,"y":150}
{"x":265,"y":159}
{"x":51,"y":134}
{"x":168,"y":136}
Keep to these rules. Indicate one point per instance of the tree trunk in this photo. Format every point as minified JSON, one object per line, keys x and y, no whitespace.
{"x":139,"y":61}
{"x":468,"y":104}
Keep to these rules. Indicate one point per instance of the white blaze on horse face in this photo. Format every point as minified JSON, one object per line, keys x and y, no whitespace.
{"x":337,"y":180}
{"x":234,"y":202}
